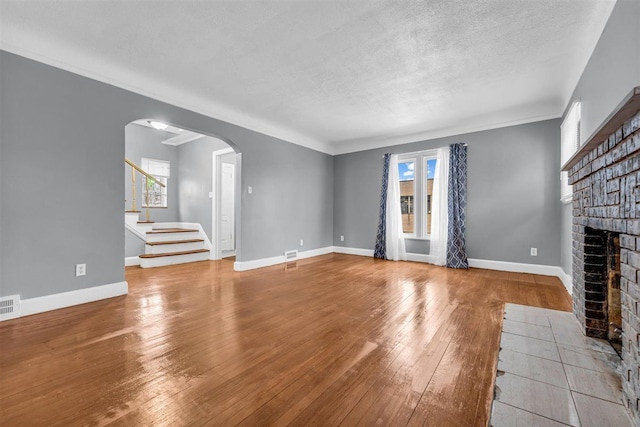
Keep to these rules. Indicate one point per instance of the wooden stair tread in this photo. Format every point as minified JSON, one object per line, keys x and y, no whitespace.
{"x":131,"y":211}
{"x":171,"y":230}
{"x":175,"y":242}
{"x":197,"y":251}
{"x":145,"y":222}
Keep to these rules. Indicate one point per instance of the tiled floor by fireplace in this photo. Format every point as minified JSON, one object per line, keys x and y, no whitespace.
{"x":550,"y":374}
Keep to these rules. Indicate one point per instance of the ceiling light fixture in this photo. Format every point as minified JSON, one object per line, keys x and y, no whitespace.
{"x":158,"y":125}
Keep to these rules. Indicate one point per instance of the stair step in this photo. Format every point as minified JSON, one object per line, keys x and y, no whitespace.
{"x":174,"y":253}
{"x":175,"y":242}
{"x":171,"y":230}
{"x":131,"y":211}
{"x":146,"y":222}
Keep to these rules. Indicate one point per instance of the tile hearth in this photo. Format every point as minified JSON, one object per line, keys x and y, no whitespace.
{"x":550,"y":374}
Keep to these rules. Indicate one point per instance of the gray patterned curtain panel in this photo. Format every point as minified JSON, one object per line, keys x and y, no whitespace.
{"x":381,"y":238}
{"x":457,"y":203}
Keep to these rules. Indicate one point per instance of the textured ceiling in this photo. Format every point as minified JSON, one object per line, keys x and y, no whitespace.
{"x":335,"y":76}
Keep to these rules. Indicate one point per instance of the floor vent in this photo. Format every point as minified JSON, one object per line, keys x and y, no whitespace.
{"x":9,"y":307}
{"x":290,"y":255}
{"x":290,"y":260}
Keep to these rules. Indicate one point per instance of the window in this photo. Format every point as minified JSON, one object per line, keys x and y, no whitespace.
{"x":569,"y":143}
{"x":154,"y":195}
{"x":406,"y":171}
{"x":416,"y":189}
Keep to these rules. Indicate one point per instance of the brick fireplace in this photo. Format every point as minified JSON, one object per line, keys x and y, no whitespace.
{"x":605,"y":174}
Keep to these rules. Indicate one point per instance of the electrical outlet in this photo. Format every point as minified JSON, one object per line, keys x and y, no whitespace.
{"x":342,"y":238}
{"x":250,"y":190}
{"x":301,"y":242}
{"x":534,"y":251}
{"x":81,"y":269}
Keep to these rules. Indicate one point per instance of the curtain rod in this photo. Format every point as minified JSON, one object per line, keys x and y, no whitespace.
{"x":421,"y":151}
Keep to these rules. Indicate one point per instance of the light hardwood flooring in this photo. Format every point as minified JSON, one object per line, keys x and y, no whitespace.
{"x":335,"y":340}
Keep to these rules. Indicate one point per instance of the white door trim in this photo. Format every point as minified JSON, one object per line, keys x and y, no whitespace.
{"x":227,"y":190}
{"x":215,"y":202}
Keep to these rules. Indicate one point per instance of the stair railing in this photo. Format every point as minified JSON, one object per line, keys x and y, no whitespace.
{"x":148,"y":178}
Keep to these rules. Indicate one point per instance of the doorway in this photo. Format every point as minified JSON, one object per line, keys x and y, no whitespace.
{"x":227,"y":197}
{"x":192,"y":196}
{"x":224,"y":184}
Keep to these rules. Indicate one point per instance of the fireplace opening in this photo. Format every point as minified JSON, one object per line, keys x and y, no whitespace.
{"x":603,"y":312}
{"x":614,"y":309}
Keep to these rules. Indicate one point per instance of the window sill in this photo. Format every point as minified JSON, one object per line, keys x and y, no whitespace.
{"x":416,"y":238}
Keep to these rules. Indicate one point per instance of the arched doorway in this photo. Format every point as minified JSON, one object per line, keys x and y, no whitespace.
{"x":190,"y":200}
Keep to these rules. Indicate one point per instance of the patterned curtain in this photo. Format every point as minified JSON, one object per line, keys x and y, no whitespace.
{"x":457,"y":201}
{"x":381,"y":238}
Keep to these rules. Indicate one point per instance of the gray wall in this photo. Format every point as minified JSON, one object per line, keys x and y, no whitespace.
{"x":612,"y":71}
{"x":133,"y":245}
{"x":195,"y":170}
{"x":286,"y":198}
{"x":513,"y":193}
{"x":141,"y":141}
{"x":61,"y":128}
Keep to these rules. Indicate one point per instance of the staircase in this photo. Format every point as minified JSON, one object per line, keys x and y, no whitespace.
{"x":166,"y":243}
{"x":169,"y":243}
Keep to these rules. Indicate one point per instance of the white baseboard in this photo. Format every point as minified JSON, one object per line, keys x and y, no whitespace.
{"x":257,"y":263}
{"x":369,"y":253}
{"x":31,"y":306}
{"x":516,"y":267}
{"x":419,"y":258}
{"x":567,"y":281}
{"x":353,"y":251}
{"x":315,"y":252}
{"x":266,"y":262}
{"x":228,"y":254}
{"x":131,"y":260}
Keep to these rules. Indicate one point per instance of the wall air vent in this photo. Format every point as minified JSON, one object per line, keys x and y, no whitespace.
{"x":9,"y":307}
{"x":290,"y":255}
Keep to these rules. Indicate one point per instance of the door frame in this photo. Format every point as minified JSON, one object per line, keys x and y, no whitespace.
{"x":216,"y":253}
{"x":231,"y":167}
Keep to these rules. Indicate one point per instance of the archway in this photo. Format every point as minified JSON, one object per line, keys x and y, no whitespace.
{"x":190,"y":200}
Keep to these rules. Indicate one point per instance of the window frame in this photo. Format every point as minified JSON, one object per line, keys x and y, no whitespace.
{"x":419,"y":159}
{"x":425,"y":212}
{"x":409,"y":159}
{"x":148,"y":165}
{"x":569,"y":145}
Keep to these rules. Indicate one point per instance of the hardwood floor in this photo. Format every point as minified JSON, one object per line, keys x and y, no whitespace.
{"x":336,"y":340}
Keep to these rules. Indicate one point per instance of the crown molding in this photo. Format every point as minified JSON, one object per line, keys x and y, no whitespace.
{"x":96,"y":68}
{"x":373,"y":143}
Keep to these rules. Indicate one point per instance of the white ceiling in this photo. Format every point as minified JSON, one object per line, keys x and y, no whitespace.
{"x":336,"y":76}
{"x":176,"y":136}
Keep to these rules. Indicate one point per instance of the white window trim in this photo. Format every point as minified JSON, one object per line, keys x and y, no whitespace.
{"x":569,"y":144}
{"x":420,"y":159}
{"x":425,"y":196}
